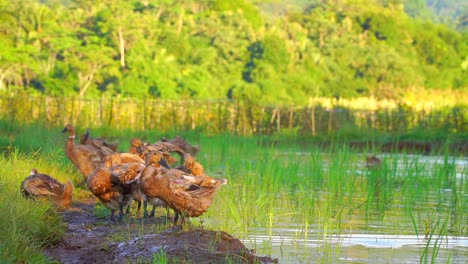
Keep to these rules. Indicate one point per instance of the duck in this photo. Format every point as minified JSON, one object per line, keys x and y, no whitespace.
{"x":115,"y":159}
{"x":194,"y":168}
{"x":143,"y":148}
{"x":119,"y":158}
{"x":178,"y":190}
{"x":154,"y":159}
{"x":116,"y":186}
{"x":38,"y":185}
{"x":85,"y":158}
{"x":104,"y":148}
{"x":166,"y":147}
{"x":99,"y":143}
{"x":183,"y":144}
{"x":135,"y":147}
{"x":373,"y":162}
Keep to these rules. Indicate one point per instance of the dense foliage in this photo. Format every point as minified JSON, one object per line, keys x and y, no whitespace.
{"x":183,"y":49}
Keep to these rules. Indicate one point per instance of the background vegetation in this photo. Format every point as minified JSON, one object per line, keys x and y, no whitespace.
{"x":275,"y":52}
{"x":439,"y":119}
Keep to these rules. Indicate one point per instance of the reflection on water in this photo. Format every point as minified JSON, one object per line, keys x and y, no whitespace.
{"x":356,"y":248}
{"x":386,"y":239}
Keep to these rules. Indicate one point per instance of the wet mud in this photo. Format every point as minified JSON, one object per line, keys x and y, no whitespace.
{"x":89,"y":239}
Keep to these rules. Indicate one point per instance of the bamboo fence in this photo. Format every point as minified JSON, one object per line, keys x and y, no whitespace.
{"x":319,"y":117}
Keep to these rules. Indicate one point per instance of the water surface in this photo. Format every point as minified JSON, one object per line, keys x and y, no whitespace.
{"x":411,"y":210}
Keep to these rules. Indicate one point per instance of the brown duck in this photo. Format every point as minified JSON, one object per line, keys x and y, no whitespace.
{"x":165,"y":147}
{"x":99,"y":143}
{"x":135,"y":147}
{"x":115,"y":186}
{"x":192,"y":167}
{"x":154,"y":159}
{"x":140,"y":148}
{"x":85,"y":158}
{"x":119,"y":158}
{"x":373,"y":162}
{"x":178,"y":190}
{"x":86,"y":139}
{"x":183,"y":144}
{"x":122,"y":158}
{"x":44,"y":186}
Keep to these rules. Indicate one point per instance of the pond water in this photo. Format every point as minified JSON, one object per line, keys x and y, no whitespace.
{"x":388,"y":238}
{"x":355,"y":248}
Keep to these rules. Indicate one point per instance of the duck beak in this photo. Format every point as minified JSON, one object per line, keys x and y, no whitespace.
{"x":64,"y":130}
{"x":190,"y":178}
{"x":224,"y":181}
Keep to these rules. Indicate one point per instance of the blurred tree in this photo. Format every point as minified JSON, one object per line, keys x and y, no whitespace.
{"x":264,"y":50}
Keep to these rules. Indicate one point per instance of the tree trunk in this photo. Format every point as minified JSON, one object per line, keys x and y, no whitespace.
{"x":159,"y":13}
{"x":3,"y":75}
{"x":291,"y":118}
{"x":86,"y":80}
{"x":180,"y":24}
{"x":121,"y":48}
{"x":49,"y":65}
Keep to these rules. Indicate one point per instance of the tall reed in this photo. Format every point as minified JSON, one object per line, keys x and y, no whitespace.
{"x":324,"y":193}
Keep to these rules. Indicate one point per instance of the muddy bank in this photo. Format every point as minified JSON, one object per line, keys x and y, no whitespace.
{"x":416,"y":147}
{"x":411,"y":147}
{"x":135,"y":240}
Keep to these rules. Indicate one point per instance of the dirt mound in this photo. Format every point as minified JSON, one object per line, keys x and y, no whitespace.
{"x":91,"y":240}
{"x":193,"y":246}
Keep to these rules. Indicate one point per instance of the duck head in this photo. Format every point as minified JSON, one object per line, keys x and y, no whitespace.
{"x":69,"y":128}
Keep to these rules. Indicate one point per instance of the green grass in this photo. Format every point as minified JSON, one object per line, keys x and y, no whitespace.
{"x":322,"y":190}
{"x":272,"y":185}
{"x":160,"y":257}
{"x":26,"y":225}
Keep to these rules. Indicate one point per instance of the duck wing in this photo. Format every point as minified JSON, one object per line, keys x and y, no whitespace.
{"x":121,"y":158}
{"x":192,"y":186}
{"x":193,"y":166}
{"x":41,"y":184}
{"x":87,"y":153}
{"x":184,"y":145}
{"x":99,"y":182}
{"x":127,"y":173}
{"x":130,"y":158}
{"x":166,"y":146}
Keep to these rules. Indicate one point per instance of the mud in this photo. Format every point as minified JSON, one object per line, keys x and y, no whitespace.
{"x":89,"y":239}
{"x":413,"y":147}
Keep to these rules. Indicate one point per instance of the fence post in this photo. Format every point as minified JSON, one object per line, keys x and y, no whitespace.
{"x":312,"y":117}
{"x":291,"y":117}
{"x":278,"y":120}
